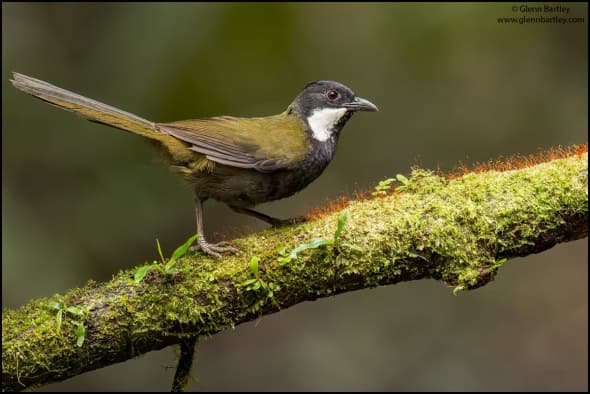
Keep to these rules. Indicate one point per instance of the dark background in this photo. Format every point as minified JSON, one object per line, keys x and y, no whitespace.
{"x":83,"y":201}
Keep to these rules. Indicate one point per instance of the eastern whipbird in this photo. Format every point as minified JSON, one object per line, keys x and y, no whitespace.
{"x":239,"y":161}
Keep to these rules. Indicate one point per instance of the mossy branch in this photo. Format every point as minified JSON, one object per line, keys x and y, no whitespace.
{"x":459,"y":231}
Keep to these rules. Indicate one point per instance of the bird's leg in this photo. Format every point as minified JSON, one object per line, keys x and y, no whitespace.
{"x":211,"y":249}
{"x":269,"y":219}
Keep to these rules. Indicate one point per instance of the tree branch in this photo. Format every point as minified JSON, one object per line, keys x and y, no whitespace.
{"x":459,"y":231}
{"x":185,"y":362}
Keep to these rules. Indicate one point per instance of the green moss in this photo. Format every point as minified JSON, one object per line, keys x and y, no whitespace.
{"x":457,"y":231}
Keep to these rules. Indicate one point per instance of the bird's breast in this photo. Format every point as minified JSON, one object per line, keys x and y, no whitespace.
{"x":315,"y":162}
{"x":248,"y":187}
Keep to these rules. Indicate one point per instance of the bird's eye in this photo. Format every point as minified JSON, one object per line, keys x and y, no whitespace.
{"x":332,"y":95}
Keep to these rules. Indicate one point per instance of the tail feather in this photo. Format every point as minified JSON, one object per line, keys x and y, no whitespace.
{"x":87,"y":108}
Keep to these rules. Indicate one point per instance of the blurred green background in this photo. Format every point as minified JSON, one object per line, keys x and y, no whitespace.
{"x":81,"y":201}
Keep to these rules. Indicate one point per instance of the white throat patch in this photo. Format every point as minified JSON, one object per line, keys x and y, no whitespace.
{"x":323,"y":120}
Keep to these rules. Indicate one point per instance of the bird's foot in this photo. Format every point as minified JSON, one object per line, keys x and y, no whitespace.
{"x":214,"y":250}
{"x":287,"y":222}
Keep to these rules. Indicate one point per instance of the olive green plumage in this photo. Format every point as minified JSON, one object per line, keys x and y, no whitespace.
{"x":240,"y":161}
{"x":280,"y":137}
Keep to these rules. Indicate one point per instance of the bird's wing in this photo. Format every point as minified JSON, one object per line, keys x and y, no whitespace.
{"x":265,"y":144}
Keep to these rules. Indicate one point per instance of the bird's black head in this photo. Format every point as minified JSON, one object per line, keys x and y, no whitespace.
{"x":327,"y":105}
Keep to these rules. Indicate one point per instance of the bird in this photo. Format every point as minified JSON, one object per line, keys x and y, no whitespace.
{"x":239,"y":161}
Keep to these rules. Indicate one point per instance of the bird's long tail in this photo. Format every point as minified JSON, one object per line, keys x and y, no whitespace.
{"x":90,"y":109}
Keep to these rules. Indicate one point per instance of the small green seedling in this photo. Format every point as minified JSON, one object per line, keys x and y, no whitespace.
{"x":255,"y":283}
{"x":498,"y":263}
{"x":342,"y":219}
{"x":141,"y":272}
{"x":287,"y":256}
{"x":62,"y":309}
{"x":80,"y":331}
{"x":383,"y":187}
{"x":166,"y":267}
{"x":404,"y":181}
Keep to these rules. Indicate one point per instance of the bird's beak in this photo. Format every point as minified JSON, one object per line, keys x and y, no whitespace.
{"x":361,"y":104}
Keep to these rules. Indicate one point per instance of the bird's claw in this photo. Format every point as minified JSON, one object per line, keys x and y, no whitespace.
{"x":214,"y":250}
